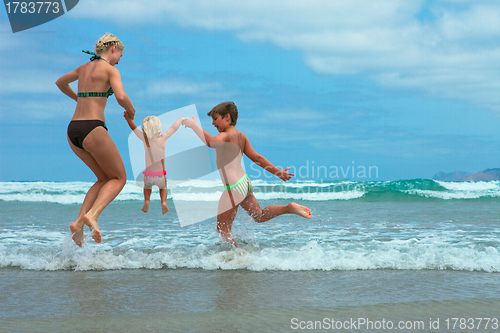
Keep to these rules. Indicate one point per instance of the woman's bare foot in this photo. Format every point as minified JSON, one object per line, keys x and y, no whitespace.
{"x":76,"y":229}
{"x":164,"y":208}
{"x":94,"y":228}
{"x":145,"y":208}
{"x":300,"y":210}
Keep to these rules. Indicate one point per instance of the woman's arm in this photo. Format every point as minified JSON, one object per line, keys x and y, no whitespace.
{"x":115,"y":81}
{"x":129,"y":120}
{"x":64,"y":81}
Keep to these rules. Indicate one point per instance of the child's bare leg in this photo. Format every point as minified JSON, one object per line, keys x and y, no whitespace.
{"x":147,"y":197}
{"x":251,"y":205}
{"x":163,"y":199}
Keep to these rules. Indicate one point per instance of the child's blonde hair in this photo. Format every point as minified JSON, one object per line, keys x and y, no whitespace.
{"x":151,"y":127}
{"x":107,"y":41}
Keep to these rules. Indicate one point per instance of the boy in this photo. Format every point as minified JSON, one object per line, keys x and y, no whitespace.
{"x":230,"y":145}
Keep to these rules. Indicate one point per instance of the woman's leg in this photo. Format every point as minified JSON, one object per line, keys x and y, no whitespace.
{"x":77,"y":226}
{"x":103,"y":150}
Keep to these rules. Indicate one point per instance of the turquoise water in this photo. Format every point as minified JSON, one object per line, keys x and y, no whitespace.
{"x":412,"y":251}
{"x":417,"y":224}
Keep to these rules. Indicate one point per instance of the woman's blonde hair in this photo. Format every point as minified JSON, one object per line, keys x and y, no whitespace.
{"x":151,"y":127}
{"x":107,"y":41}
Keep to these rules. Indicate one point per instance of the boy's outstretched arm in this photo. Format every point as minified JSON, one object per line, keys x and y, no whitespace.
{"x":175,"y":126}
{"x":202,"y":134}
{"x":263,"y":162}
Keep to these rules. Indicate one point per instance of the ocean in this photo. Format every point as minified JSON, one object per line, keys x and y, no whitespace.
{"x":398,"y":256}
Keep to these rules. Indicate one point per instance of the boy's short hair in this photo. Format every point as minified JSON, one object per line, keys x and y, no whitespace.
{"x":225,"y":108}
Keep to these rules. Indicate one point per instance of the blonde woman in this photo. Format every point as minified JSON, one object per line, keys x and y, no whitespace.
{"x":87,"y":132}
{"x":154,"y":145}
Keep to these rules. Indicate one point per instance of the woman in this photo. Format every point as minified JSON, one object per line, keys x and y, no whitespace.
{"x":87,"y":132}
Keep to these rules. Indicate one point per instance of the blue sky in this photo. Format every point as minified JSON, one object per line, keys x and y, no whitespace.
{"x":409,"y":87}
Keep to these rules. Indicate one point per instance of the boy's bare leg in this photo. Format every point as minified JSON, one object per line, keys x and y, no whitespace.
{"x":251,"y":205}
{"x":225,"y":224}
{"x":163,"y":199}
{"x":226,"y":213}
{"x":147,"y":197}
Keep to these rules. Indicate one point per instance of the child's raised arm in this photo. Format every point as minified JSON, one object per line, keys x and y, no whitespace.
{"x":133,"y":126}
{"x":129,"y":120}
{"x":175,"y":126}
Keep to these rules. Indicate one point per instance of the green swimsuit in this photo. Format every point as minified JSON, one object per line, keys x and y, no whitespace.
{"x":242,"y":186}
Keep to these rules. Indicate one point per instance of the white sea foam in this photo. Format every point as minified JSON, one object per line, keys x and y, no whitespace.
{"x":461,"y":190}
{"x":375,"y":247}
{"x":455,"y":195}
{"x":471,"y":186}
{"x":210,"y":190}
{"x":194,"y":190}
{"x":314,"y":255}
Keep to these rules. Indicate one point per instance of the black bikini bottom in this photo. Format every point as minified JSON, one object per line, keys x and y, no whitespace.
{"x":79,"y":129}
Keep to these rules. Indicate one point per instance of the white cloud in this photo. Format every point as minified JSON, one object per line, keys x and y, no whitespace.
{"x":28,"y":81}
{"x":382,"y":38}
{"x":187,"y":87}
{"x":449,"y":48}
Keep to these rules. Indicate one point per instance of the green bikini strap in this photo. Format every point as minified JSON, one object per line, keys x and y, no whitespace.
{"x":94,"y":55}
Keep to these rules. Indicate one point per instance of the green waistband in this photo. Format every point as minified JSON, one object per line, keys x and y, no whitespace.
{"x":237,"y":183}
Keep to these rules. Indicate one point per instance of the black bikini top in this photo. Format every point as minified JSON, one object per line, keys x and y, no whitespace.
{"x":95,"y":94}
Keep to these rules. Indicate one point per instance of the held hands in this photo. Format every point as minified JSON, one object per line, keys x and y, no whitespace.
{"x":189,"y":123}
{"x":127,"y":116}
{"x":284,"y":175}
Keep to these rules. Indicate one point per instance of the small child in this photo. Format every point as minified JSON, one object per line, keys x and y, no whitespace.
{"x":230,"y":146}
{"x":154,"y":146}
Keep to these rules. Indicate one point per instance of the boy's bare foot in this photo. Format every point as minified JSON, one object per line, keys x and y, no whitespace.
{"x":145,"y":208}
{"x":300,"y":210}
{"x":164,"y":208}
{"x":94,"y":228}
{"x":231,"y":241}
{"x":76,"y":229}
{"x":228,"y":238}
